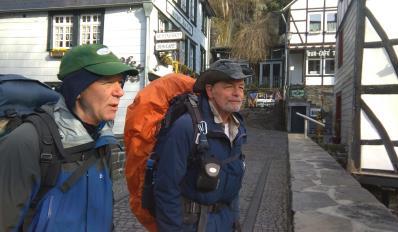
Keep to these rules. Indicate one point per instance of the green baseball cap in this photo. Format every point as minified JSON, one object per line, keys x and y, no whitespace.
{"x":95,"y":58}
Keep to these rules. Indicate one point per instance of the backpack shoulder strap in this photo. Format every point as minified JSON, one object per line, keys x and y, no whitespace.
{"x":51,"y":151}
{"x":199,"y":126}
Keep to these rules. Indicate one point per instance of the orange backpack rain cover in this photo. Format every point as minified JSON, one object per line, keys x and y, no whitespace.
{"x":142,"y":123}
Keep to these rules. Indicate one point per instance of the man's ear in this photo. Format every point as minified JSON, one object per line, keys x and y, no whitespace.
{"x":78,"y":97}
{"x":208,"y":89}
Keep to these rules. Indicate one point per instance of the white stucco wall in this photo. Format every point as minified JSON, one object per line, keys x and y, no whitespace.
{"x":124,"y":33}
{"x":23,"y":44}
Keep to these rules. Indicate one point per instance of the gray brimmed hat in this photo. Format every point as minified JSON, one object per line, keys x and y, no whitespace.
{"x":221,"y":70}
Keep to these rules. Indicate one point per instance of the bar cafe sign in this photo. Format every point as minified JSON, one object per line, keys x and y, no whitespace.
{"x":321,"y":53}
{"x":170,"y":46}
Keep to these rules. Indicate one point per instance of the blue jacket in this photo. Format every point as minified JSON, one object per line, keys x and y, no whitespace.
{"x":86,"y":206}
{"x":175,"y":179}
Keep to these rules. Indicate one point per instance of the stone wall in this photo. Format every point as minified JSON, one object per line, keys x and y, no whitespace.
{"x":321,"y":96}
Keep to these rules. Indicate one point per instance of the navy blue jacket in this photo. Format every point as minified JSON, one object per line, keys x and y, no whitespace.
{"x":176,"y":177}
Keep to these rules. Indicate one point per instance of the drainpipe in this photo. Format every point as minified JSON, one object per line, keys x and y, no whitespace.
{"x":286,"y":83}
{"x":148,"y":6}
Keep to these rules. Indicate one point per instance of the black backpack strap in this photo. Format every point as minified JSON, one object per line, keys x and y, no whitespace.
{"x":199,"y":125}
{"x":94,"y":157}
{"x":50,"y":164}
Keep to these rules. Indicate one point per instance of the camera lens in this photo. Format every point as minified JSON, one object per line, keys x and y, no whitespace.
{"x":212,"y":169}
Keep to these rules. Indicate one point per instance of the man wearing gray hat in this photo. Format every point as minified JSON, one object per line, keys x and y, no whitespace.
{"x":200,"y":192}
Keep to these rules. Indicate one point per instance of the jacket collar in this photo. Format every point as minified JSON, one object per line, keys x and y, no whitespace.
{"x":208,"y":115}
{"x":73,"y":132}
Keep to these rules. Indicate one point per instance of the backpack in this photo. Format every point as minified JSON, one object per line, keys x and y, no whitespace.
{"x":154,"y":108}
{"x":20,"y":96}
{"x":24,"y":100}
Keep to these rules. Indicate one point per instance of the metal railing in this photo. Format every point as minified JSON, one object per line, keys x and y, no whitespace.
{"x":306,"y":119}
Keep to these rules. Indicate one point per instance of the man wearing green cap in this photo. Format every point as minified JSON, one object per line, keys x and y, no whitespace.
{"x":81,"y":197}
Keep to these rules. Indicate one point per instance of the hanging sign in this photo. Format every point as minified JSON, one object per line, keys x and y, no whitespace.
{"x":166,"y":46}
{"x":177,"y":35}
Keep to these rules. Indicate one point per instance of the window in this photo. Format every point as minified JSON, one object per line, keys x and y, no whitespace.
{"x":182,"y":51}
{"x":315,"y":23}
{"x":340,"y":48}
{"x":161,"y":25}
{"x":202,"y":59}
{"x":192,"y":11}
{"x":192,"y":54}
{"x":63,"y":26}
{"x":331,"y":22}
{"x":164,"y":24}
{"x":69,"y":30}
{"x":204,"y":21}
{"x":314,"y":66}
{"x":90,"y":29}
{"x":183,"y":5}
{"x":329,"y":66}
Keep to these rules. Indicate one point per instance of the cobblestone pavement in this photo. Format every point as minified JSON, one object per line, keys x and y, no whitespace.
{"x":264,"y":198}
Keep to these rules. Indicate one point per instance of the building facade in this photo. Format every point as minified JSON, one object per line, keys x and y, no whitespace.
{"x":35,"y":34}
{"x":366,"y":89}
{"x":310,"y":70}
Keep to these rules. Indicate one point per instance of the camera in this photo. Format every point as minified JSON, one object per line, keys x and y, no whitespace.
{"x":208,"y":179}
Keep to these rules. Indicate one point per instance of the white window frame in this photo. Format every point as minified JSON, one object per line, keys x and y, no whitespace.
{"x":309,"y":22}
{"x":93,"y":25}
{"x":327,"y":21}
{"x":66,"y":31}
{"x":324,"y":66}
{"x":320,"y":66}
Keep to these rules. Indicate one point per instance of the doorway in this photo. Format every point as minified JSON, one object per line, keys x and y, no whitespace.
{"x":297,"y":122}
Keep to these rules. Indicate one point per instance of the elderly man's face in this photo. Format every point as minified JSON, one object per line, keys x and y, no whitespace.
{"x":99,"y":102}
{"x":227,"y":96}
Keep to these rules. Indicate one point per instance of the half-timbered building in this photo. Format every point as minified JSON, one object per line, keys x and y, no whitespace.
{"x":311,"y":29}
{"x":366,"y":89}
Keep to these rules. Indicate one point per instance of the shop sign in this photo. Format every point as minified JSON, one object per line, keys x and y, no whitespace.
{"x":177,"y":35}
{"x":166,"y":46}
{"x":321,"y":53}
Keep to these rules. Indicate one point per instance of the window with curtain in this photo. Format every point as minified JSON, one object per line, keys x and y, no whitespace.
{"x":315,"y":23}
{"x":331,"y":22}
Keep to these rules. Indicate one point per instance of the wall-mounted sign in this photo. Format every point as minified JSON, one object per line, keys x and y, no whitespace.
{"x":166,"y":46}
{"x":321,"y":53}
{"x":177,"y":35}
{"x":179,"y":18}
{"x":297,"y":93}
